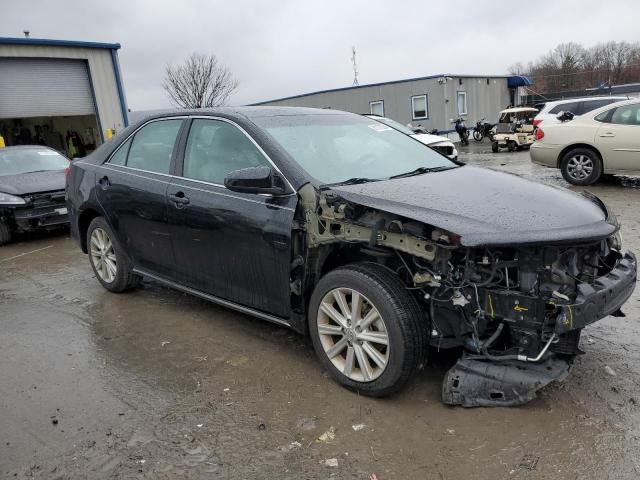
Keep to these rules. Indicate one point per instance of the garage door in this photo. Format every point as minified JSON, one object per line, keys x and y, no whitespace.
{"x":39,"y":87}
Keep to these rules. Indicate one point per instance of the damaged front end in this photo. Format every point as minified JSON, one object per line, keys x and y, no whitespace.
{"x":515,"y":311}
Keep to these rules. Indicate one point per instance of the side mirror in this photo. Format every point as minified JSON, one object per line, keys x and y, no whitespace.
{"x":255,"y":180}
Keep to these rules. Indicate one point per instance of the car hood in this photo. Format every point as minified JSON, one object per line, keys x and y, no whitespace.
{"x":428,"y":139}
{"x":32,"y":182}
{"x":485,"y":207}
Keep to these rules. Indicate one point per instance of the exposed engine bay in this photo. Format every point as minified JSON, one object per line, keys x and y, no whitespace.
{"x":516,"y":312}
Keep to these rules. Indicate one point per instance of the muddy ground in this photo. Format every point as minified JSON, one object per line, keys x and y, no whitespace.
{"x":158,"y":384}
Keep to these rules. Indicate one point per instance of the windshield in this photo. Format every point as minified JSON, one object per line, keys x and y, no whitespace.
{"x":340,"y":147}
{"x":393,"y":124}
{"x":26,"y":160}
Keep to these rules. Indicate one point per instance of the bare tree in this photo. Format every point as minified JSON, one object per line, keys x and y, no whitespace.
{"x":200,"y":82}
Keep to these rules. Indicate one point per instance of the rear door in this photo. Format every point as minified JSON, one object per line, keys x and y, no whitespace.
{"x":235,"y":246}
{"x":618,"y":138}
{"x":132,"y":188}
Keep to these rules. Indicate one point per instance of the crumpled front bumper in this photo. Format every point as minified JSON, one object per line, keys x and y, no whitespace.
{"x":475,"y":381}
{"x":603,"y":297}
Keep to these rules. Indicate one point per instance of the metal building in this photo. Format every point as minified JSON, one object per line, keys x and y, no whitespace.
{"x":432,"y":102}
{"x":65,"y":94}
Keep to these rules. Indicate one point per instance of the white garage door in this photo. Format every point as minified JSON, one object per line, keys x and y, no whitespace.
{"x":41,"y":87}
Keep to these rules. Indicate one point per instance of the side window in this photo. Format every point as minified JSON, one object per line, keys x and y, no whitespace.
{"x":461,"y":103}
{"x":566,"y":107}
{"x":627,"y":115}
{"x":419,"y":107}
{"x":120,"y":156}
{"x":590,"y":106}
{"x":605,"y":117}
{"x":216,"y":148}
{"x":377,"y":108}
{"x":152,"y":146}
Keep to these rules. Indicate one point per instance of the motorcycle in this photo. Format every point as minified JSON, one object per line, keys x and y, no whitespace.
{"x":483,"y":129}
{"x":462,"y":131}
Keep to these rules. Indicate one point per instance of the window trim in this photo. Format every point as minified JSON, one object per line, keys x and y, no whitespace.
{"x":426,"y":107}
{"x":628,"y":105}
{"x":260,"y":149}
{"x":466,"y":109}
{"x":132,"y":134}
{"x":372,"y":102}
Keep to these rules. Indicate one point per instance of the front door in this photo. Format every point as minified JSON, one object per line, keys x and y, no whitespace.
{"x":619,"y":138}
{"x":234,"y":246}
{"x":132,"y":188}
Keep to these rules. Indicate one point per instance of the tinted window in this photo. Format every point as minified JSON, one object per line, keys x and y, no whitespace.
{"x":592,"y":105}
{"x":152,"y":146}
{"x":216,"y":148}
{"x":566,"y":107}
{"x":120,"y":157}
{"x":627,"y":115}
{"x":334,"y":148}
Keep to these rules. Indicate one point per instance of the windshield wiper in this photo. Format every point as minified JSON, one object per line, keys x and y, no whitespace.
{"x":351,"y":181}
{"x":420,"y":171}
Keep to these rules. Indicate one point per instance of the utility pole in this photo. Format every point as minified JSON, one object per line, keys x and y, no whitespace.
{"x":355,"y":66}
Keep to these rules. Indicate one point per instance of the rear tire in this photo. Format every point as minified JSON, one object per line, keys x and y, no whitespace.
{"x":353,"y":356}
{"x":110,"y":264}
{"x":511,"y":145}
{"x":581,"y":166}
{"x":477,"y":135}
{"x":5,"y":233}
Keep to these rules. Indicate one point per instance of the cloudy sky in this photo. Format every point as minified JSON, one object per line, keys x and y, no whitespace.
{"x":279,"y":48}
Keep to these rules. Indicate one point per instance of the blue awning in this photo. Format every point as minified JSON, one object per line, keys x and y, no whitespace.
{"x":518,"y":81}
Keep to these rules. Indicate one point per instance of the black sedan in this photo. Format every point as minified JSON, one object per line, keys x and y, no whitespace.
{"x":360,"y":237}
{"x":32,"y":195}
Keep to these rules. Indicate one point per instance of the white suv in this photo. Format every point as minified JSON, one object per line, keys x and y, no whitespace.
{"x":577,"y":106}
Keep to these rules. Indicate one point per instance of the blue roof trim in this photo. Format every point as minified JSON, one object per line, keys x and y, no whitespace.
{"x":429,"y":77}
{"x":515,"y":81}
{"x":57,"y":43}
{"x":123,"y":103}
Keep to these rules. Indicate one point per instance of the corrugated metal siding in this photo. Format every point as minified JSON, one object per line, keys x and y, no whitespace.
{"x":100,"y":69}
{"x":483,"y":100}
{"x":39,"y":87}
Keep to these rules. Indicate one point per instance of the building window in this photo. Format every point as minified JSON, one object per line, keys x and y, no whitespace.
{"x":461,"y":102}
{"x":377,"y":108}
{"x":419,"y":107}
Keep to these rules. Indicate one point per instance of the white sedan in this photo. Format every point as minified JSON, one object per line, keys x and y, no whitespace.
{"x":440,"y":144}
{"x":605,"y":141}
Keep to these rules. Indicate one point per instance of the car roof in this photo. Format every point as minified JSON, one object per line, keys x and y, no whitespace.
{"x":247,"y":112}
{"x":621,"y":103}
{"x":553,"y":103}
{"x":519,"y":109}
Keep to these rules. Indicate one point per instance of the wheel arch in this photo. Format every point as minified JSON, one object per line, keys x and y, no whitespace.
{"x":578,"y":145}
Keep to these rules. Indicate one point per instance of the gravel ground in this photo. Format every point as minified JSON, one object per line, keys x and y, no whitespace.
{"x":157,"y":384}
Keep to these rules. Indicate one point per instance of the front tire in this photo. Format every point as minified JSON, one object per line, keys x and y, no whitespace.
{"x":367,"y":329}
{"x":494,"y":147}
{"x":110,"y":264}
{"x":581,"y":166}
{"x":477,"y":135}
{"x":5,"y":232}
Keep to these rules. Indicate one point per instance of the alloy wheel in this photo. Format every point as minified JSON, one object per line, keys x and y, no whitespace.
{"x":103,"y":256}
{"x":353,"y":334}
{"x":579,"y":167}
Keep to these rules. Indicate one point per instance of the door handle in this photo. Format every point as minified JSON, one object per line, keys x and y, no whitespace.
{"x":179,"y":198}
{"x":104,"y":182}
{"x":608,"y":134}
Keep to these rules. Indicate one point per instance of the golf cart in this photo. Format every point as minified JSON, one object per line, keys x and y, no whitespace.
{"x":514,"y":129}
